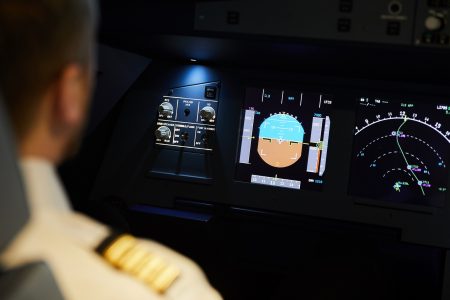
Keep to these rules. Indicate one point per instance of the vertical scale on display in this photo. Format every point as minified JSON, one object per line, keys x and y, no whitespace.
{"x":247,"y":136}
{"x":317,"y":155}
{"x":326,"y":137}
{"x":314,"y":151}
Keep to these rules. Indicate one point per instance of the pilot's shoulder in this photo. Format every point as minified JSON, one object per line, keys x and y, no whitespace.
{"x":160,"y":268}
{"x":92,"y":262}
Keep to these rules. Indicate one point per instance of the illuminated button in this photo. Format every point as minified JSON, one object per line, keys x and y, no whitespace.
{"x":433,"y":23}
{"x":166,"y":109}
{"x":208,"y":113}
{"x":163,"y":133}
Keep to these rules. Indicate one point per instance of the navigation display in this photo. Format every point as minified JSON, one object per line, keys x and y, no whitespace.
{"x":401,"y":151}
{"x":284,"y":139}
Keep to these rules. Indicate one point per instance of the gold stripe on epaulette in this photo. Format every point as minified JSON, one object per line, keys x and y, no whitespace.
{"x":127,"y":255}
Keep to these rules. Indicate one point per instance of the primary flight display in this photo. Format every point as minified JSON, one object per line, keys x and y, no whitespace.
{"x":284,"y":141}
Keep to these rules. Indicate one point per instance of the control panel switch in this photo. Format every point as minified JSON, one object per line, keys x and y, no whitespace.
{"x":166,"y":109}
{"x":208,"y":113}
{"x":163,"y":133}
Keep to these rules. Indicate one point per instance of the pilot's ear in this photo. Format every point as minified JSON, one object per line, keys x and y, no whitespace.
{"x":69,"y":96}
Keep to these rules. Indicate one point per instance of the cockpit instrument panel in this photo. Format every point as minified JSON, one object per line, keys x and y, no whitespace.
{"x":284,"y":138}
{"x":401,"y":151}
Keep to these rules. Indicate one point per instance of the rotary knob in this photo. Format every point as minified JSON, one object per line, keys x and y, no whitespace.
{"x":165,"y":109}
{"x":433,"y":23}
{"x":163,"y":133}
{"x":208,"y":113}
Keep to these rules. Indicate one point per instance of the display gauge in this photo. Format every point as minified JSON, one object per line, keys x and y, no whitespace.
{"x":401,"y":151}
{"x":284,"y":138}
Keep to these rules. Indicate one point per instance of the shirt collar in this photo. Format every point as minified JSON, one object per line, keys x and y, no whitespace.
{"x":43,"y":187}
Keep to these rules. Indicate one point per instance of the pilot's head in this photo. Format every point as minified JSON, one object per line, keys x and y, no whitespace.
{"x":46,"y":72}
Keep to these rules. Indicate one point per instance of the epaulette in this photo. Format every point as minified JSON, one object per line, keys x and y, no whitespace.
{"x":124,"y":252}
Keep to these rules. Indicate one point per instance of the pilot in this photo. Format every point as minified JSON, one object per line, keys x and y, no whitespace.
{"x":46,"y":75}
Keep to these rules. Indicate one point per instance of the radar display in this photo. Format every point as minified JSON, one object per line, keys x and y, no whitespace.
{"x":284,"y":139}
{"x":401,"y":151}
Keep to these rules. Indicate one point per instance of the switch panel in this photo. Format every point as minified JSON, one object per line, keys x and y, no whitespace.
{"x":422,"y":23}
{"x":432,"y":28}
{"x":186,"y":122}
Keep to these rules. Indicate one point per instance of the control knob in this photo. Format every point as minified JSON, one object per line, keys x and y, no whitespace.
{"x":434,"y":23}
{"x":163,"y":133}
{"x":208,"y":113}
{"x":165,"y":109}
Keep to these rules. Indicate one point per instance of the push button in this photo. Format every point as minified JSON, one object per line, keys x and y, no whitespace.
{"x":346,"y":6}
{"x":427,"y":38}
{"x":210,"y":92}
{"x":344,"y":25}
{"x":233,"y":17}
{"x":184,"y":136}
{"x":443,"y":39}
{"x":393,"y":28}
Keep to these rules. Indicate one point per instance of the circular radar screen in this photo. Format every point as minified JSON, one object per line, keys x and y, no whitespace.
{"x":280,"y":140}
{"x":401,"y":152}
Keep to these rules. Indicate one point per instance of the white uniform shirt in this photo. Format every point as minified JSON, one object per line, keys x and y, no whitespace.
{"x":66,"y":240}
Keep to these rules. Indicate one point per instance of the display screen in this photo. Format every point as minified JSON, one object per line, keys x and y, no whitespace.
{"x":284,"y":138}
{"x":401,"y":151}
